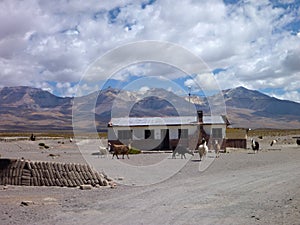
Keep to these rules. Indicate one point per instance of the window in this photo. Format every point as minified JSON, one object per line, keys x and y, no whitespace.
{"x":149,"y":134}
{"x":125,"y":134}
{"x":182,"y":133}
{"x":217,"y":132}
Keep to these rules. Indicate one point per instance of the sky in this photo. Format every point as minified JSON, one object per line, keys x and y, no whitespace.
{"x":52,"y":44}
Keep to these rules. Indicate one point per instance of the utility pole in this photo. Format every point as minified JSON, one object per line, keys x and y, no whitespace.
{"x":189,"y":87}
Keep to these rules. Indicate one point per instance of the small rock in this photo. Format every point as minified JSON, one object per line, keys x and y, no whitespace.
{"x":86,"y":187}
{"x":27,"y":203}
{"x":105,"y":183}
{"x":112,"y":185}
{"x":120,"y":178}
{"x":50,"y":199}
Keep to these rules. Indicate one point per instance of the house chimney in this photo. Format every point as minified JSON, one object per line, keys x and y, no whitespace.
{"x":200,"y":116}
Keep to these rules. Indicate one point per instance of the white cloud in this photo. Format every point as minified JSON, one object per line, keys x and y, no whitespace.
{"x":147,"y":69}
{"x":227,"y":79}
{"x":144,"y":89}
{"x":291,"y":95}
{"x":286,"y":1}
{"x":205,"y":82}
{"x":52,"y":42}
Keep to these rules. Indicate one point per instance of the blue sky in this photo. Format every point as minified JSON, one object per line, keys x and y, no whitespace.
{"x":50,"y":44}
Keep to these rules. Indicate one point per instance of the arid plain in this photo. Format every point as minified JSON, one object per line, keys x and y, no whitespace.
{"x":238,"y":188}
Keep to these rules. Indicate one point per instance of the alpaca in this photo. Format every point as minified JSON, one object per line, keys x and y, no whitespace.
{"x":255,"y":145}
{"x":182,"y":151}
{"x":273,"y":142}
{"x":103,"y":151}
{"x":119,"y":149}
{"x":203,"y":149}
{"x":217,"y":148}
{"x":32,"y":137}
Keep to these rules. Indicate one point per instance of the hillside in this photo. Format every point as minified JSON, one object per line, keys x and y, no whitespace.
{"x":29,"y":109}
{"x":26,"y":108}
{"x":249,"y":108}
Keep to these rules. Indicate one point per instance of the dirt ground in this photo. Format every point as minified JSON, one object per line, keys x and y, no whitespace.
{"x":238,"y":188}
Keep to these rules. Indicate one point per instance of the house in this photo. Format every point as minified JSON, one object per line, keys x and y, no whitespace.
{"x":236,"y":137}
{"x":157,"y":133}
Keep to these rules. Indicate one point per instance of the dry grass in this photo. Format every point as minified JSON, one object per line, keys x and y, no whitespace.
{"x":273,"y":132}
{"x":51,"y":134}
{"x":236,"y":133}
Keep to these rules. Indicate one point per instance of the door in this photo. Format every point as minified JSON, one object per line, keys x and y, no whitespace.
{"x":165,"y":144}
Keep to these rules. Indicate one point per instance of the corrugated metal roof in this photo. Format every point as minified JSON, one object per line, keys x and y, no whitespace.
{"x":213,"y":120}
{"x":163,"y":121}
{"x":153,"y":121}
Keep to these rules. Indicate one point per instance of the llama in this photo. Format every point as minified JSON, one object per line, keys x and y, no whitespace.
{"x":203,"y":149}
{"x":119,"y":149}
{"x":102,"y":151}
{"x":273,"y":142}
{"x":182,"y":151}
{"x":217,"y":148}
{"x":255,"y":146}
{"x":32,"y":137}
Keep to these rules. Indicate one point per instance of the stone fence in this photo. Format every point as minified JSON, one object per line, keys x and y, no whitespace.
{"x":35,"y":173}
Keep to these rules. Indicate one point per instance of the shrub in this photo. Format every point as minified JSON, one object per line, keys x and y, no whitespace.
{"x":134,"y":151}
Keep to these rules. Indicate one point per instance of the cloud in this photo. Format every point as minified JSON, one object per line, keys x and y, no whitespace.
{"x":144,"y":89}
{"x":291,"y":95}
{"x":291,"y":60}
{"x":45,"y":43}
{"x":204,"y":82}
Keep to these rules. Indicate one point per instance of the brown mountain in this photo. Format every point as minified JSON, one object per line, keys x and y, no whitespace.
{"x":26,"y":108}
{"x":253,"y":109}
{"x":32,"y":109}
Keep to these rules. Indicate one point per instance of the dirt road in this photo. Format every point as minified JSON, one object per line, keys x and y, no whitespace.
{"x":237,"y":188}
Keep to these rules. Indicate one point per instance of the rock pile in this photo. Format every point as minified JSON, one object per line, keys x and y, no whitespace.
{"x":29,"y":173}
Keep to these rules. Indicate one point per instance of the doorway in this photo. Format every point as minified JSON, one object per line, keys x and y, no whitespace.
{"x":165,"y":144}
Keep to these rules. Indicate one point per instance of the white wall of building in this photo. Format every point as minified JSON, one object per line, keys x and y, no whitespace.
{"x":139,"y":132}
{"x":208,"y":129}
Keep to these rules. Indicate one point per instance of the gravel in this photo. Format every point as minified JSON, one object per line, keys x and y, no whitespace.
{"x":237,"y":188}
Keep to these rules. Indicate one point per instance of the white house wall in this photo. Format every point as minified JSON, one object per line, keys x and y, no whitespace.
{"x":208,"y":129}
{"x":139,"y":141}
{"x":138,"y":132}
{"x":111,"y":134}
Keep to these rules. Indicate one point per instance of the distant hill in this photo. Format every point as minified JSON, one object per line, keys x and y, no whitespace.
{"x":31,"y":109}
{"x":26,"y":108}
{"x":262,"y":104}
{"x":249,"y":108}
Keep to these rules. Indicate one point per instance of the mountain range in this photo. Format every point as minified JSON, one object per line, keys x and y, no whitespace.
{"x":32,"y":109}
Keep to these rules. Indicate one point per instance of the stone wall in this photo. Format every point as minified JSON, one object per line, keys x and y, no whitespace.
{"x":33,"y":173}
